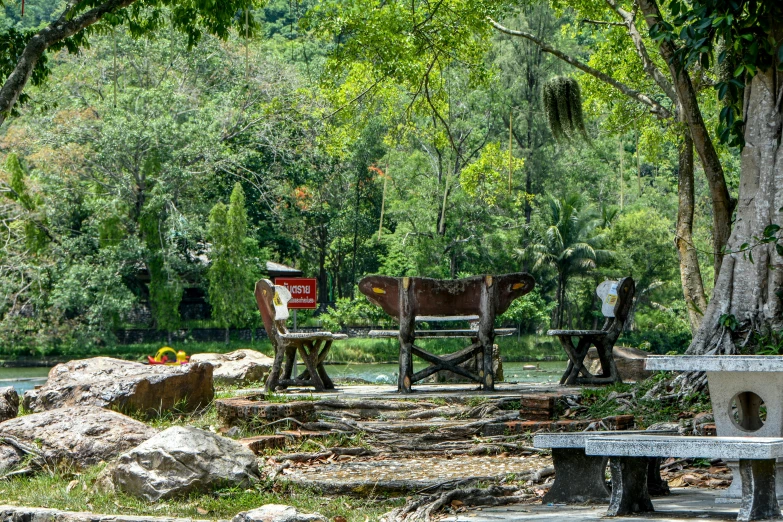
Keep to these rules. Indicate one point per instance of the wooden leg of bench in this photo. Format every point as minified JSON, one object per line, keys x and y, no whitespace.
{"x":290,"y":359}
{"x":656,"y":486}
{"x":579,"y":478}
{"x":759,"y":499}
{"x":274,"y":375}
{"x":328,"y":384}
{"x":310,"y":356}
{"x":629,"y":487}
{"x":486,"y":332}
{"x":407,"y":338}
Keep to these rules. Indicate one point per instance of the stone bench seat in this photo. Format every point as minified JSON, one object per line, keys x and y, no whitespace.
{"x":580,"y":478}
{"x":628,"y":456}
{"x":433,"y":334}
{"x":314,"y":336}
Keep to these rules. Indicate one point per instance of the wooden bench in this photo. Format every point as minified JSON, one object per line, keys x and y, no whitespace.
{"x":579,"y":477}
{"x":617,"y":297}
{"x":628,"y":464}
{"x":406,"y":298}
{"x":313,"y":347}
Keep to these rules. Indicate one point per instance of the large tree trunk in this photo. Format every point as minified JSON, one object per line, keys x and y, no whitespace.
{"x":745,"y":289}
{"x":690,"y":113}
{"x":690,"y":274}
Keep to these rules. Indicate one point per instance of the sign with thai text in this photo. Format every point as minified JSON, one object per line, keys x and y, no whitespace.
{"x":303,"y":291}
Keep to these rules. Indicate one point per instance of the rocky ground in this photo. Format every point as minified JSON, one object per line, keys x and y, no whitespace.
{"x":184,"y":448}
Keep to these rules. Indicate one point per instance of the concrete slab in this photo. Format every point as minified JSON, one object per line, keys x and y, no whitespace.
{"x":683,"y":505}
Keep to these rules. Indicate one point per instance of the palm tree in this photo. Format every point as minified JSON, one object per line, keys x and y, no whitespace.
{"x":569,"y":241}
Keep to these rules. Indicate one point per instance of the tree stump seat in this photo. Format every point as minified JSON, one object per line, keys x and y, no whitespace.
{"x":409,"y":298}
{"x":313,"y":347}
{"x":616,"y":297}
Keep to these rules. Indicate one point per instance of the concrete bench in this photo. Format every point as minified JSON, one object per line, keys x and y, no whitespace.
{"x":628,"y":464}
{"x":581,"y":478}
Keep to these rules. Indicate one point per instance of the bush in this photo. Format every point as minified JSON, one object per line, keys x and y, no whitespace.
{"x":657,"y":341}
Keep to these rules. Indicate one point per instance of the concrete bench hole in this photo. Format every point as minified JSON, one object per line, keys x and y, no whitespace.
{"x":747,"y":411}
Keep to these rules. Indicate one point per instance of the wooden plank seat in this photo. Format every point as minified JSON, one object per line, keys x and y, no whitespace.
{"x":406,"y":298}
{"x":628,"y":464}
{"x":433,"y":334}
{"x":616,"y":297}
{"x":313,"y":347}
{"x":581,"y":478}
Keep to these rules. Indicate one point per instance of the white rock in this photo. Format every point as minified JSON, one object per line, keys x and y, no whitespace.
{"x":277,"y":513}
{"x":238,"y":367}
{"x":180,"y":460}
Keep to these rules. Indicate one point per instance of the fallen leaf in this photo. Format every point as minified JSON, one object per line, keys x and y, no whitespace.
{"x":457,"y":503}
{"x":339,"y":518}
{"x":676,"y":483}
{"x":72,"y":484}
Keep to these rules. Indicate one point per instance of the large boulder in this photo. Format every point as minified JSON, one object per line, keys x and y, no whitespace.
{"x":278,"y":513}
{"x":181,"y":460}
{"x":9,"y":403}
{"x":630,"y":363}
{"x":124,"y":386}
{"x":81,"y":436}
{"x":239,"y":367}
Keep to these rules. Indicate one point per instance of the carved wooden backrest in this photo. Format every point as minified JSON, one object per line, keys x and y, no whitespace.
{"x":439,"y":297}
{"x":616,"y":298}
{"x":265,"y":295}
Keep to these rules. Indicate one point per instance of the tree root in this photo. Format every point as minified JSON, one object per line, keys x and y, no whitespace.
{"x":423,"y":508}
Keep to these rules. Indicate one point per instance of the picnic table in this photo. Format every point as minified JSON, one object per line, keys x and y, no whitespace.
{"x":409,"y":299}
{"x":739,"y":386}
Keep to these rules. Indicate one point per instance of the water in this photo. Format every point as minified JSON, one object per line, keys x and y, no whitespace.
{"x":24,"y":379}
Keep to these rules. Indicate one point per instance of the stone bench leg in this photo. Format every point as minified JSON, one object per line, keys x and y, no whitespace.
{"x":629,"y":486}
{"x":579,"y":478}
{"x":656,"y":486}
{"x":759,"y":499}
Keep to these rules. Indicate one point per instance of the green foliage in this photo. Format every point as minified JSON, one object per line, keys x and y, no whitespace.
{"x":563,"y":104}
{"x":347,"y":312}
{"x":486,"y":177}
{"x":231,"y":275}
{"x":530,"y":313}
{"x":746,"y":36}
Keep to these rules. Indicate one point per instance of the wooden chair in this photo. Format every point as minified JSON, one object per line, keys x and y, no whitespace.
{"x":616,"y":297}
{"x":406,"y":298}
{"x":313,"y":347}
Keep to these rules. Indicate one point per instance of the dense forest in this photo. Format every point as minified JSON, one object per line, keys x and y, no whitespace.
{"x":149,"y":170}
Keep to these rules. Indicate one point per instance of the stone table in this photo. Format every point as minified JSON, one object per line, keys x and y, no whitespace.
{"x":739,"y":386}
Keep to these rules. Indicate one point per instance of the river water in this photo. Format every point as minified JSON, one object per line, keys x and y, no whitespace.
{"x":24,"y":379}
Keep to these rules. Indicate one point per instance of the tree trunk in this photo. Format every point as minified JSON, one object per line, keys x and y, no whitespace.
{"x":748,"y":289}
{"x":690,"y":113}
{"x":690,"y":273}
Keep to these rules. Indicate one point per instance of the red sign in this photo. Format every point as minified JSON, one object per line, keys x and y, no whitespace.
{"x":303,"y":291}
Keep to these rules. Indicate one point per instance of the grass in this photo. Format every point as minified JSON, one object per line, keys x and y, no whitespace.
{"x":647,"y":412}
{"x":79,"y":491}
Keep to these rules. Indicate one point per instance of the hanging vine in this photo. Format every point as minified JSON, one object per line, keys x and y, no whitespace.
{"x":563,"y":106}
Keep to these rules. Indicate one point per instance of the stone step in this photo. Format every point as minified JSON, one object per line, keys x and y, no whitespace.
{"x":617,"y":422}
{"x":240,"y":409}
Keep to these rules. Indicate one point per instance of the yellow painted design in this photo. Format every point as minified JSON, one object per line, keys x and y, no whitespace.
{"x":488,"y":279}
{"x":378,"y":290}
{"x":406,"y":281}
{"x":517,"y":286}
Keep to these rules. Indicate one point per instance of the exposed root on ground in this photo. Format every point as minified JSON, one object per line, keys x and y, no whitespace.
{"x":425,"y":507}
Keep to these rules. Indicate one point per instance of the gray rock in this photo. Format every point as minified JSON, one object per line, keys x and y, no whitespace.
{"x":630,"y":363}
{"x":9,"y":403}
{"x":180,"y":460}
{"x":278,"y":513}
{"x":10,"y":458}
{"x":81,"y":436}
{"x":238,"y":367}
{"x":123,"y":385}
{"x":35,"y":514}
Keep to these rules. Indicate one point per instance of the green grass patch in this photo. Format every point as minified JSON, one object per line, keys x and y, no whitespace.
{"x":78,"y":491}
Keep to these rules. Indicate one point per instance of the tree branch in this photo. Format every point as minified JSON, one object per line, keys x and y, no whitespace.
{"x":601,"y":22}
{"x":656,"y":108}
{"x":638,"y":42}
{"x":55,"y":32}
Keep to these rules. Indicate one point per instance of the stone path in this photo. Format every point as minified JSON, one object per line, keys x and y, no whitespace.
{"x":427,"y":391}
{"x":367,"y":476}
{"x":683,"y":505}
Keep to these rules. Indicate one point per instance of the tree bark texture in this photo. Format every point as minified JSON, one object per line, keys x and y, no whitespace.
{"x":55,"y":32}
{"x":691,"y":114}
{"x":747,"y":289}
{"x":690,"y":273}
